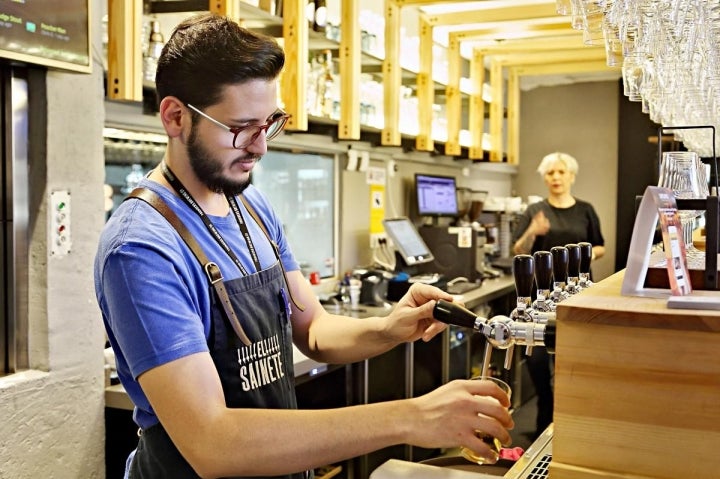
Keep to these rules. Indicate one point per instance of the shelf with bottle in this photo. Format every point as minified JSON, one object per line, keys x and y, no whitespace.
{"x":127,"y":147}
{"x":321,"y":100}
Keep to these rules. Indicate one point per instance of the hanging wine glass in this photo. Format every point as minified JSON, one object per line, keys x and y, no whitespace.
{"x":685,"y":174}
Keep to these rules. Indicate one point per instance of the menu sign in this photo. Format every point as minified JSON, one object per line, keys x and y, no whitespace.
{"x":657,"y":203}
{"x":53,"y":33}
{"x":673,"y":243}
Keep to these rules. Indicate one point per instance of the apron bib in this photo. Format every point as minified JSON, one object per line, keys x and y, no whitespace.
{"x":260,"y":375}
{"x":256,"y":374}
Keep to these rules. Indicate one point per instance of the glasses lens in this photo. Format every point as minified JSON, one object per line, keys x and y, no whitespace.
{"x":275,"y":127}
{"x":246,"y":136}
{"x":249,"y":134}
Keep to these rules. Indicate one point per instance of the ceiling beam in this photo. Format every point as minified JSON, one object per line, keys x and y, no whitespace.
{"x":527,"y":45}
{"x":540,"y":58}
{"x":589,"y":66}
{"x":428,"y":3}
{"x":495,"y":13}
{"x":514,"y":30}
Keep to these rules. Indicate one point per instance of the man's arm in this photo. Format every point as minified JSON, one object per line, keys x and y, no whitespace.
{"x":218,"y":441}
{"x":339,"y":339}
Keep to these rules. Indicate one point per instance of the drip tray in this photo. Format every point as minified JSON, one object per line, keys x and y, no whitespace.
{"x":459,"y":463}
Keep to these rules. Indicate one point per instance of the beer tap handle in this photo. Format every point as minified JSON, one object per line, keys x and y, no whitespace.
{"x":452,"y":313}
{"x":524,"y":271}
{"x":585,"y":256}
{"x":573,"y":260}
{"x":549,"y":335}
{"x":543,"y":270}
{"x":560,"y":263}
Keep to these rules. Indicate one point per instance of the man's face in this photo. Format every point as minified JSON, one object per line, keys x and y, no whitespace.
{"x":213,"y":159}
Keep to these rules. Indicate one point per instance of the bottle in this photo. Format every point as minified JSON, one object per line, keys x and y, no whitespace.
{"x":326,"y":86}
{"x":344,"y":290}
{"x":154,"y":49}
{"x":320,"y":17}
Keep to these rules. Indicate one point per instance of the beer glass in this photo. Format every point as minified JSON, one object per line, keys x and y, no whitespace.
{"x":491,"y":441}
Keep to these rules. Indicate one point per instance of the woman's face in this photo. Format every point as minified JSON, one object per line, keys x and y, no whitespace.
{"x":559,"y":179}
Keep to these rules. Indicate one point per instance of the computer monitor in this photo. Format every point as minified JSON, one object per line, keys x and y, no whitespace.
{"x":436,"y":195}
{"x":407,"y":241}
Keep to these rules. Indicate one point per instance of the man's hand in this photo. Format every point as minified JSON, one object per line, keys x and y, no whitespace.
{"x":412,"y":318}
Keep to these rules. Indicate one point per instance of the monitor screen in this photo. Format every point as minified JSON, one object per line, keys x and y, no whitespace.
{"x":53,"y":33}
{"x":407,"y":241}
{"x":436,"y":195}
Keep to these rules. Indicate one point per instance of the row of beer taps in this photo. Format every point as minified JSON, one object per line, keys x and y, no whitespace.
{"x":554,"y":275}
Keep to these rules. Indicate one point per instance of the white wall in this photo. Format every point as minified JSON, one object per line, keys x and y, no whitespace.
{"x":582,"y":120}
{"x":51,"y":418}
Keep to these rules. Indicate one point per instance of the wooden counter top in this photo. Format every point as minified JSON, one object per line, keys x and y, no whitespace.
{"x":609,"y":307}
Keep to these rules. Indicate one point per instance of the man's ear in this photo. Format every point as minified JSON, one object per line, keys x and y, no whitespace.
{"x":173,"y":117}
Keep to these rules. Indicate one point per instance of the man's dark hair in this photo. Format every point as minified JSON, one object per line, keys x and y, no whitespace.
{"x":208,"y":52}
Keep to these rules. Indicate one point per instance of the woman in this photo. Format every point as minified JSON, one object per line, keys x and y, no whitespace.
{"x":558,"y":220}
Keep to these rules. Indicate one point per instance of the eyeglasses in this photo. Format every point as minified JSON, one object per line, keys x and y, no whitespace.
{"x":245,"y":136}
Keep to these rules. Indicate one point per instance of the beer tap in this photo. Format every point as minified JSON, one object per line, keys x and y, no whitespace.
{"x":585,"y":260}
{"x":543,"y":281}
{"x":560,"y":267}
{"x":524,"y":274}
{"x":523,"y":271}
{"x":501,"y":332}
{"x":573,"y":270}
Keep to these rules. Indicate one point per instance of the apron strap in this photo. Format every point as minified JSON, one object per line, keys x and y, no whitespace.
{"x":212,"y":270}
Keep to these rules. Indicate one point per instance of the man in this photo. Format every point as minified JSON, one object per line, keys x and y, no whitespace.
{"x":207,"y":359}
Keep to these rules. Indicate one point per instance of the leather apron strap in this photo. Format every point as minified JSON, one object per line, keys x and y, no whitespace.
{"x":212,"y":270}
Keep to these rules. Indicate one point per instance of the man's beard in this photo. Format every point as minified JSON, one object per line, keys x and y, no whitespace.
{"x":209,"y":170}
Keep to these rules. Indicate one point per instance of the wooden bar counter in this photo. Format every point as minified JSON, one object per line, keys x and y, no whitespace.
{"x":637,"y":388}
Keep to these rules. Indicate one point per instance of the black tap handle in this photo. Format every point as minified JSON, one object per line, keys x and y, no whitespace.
{"x":573,"y":260}
{"x":543,"y":269}
{"x":524,"y":273}
{"x":560,"y":263}
{"x":452,"y":313}
{"x":585,"y":256}
{"x":549,"y":336}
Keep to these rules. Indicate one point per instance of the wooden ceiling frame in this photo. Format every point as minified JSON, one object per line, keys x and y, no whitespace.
{"x":511,"y":42}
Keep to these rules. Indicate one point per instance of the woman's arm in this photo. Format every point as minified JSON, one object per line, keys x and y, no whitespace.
{"x":539,"y":226}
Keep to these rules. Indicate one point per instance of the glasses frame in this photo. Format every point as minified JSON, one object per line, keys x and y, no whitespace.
{"x":277,"y":117}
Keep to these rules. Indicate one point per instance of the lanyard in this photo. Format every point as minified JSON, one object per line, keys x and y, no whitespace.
{"x":190,"y":201}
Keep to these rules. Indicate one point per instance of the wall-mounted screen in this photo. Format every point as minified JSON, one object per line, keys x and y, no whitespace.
{"x":52,"y":33}
{"x":407,"y":241}
{"x":436,"y":195}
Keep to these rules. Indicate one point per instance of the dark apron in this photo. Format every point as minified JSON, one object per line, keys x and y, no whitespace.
{"x":257,"y":376}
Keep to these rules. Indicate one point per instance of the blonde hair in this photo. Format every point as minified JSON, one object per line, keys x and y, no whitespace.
{"x":570,"y":162}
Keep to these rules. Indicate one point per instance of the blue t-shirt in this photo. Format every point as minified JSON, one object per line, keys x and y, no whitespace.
{"x":154,"y":296}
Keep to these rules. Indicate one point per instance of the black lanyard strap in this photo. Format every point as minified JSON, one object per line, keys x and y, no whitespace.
{"x":211,"y":269}
{"x":260,"y":223}
{"x":190,"y":201}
